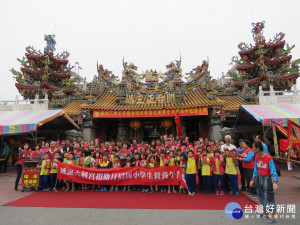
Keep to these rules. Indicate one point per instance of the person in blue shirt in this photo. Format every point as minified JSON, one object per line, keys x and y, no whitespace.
{"x":265,"y":147}
{"x":5,"y":156}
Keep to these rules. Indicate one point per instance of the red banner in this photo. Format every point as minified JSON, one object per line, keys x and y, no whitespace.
{"x":165,"y":175}
{"x":178,"y":125}
{"x":149,"y":113}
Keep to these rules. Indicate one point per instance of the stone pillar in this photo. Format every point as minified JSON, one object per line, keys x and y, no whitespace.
{"x":214,"y":129}
{"x":214,"y":132}
{"x":183,"y":127}
{"x":88,"y":131}
{"x":199,"y":129}
{"x":121,"y":131}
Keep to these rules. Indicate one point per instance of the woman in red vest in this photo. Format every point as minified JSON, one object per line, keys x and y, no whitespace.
{"x":247,"y":159}
{"x":24,"y":155}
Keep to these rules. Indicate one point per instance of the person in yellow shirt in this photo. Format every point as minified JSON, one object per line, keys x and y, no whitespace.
{"x":190,"y":171}
{"x":152,"y":164}
{"x":45,"y":172}
{"x":206,"y":172}
{"x":53,"y":171}
{"x":231,"y":172}
{"x":70,"y":161}
{"x":171,"y":162}
{"x":182,"y":164}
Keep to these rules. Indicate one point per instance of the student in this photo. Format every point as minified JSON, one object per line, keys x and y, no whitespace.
{"x":190,"y":171}
{"x":104,"y":164}
{"x":171,"y":162}
{"x":182,"y":164}
{"x":144,"y":163}
{"x":45,"y":172}
{"x":206,"y":172}
{"x":199,"y":153}
{"x":85,"y":162}
{"x":127,"y":163}
{"x":231,"y":172}
{"x":152,"y":164}
{"x":218,"y":170}
{"x":115,"y":165}
{"x":53,"y":171}
{"x":163,"y":161}
{"x":113,"y":153}
{"x":136,"y":162}
{"x":70,"y":161}
{"x":95,"y":165}
{"x":264,"y":170}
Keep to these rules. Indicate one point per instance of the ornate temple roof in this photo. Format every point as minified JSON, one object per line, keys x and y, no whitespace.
{"x":232,"y":103}
{"x":195,"y":98}
{"x":73,"y":108}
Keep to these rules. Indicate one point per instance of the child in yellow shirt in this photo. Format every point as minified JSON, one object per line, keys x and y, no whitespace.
{"x":190,"y":171}
{"x":45,"y":172}
{"x":231,"y":172}
{"x":70,"y":161}
{"x":152,"y":164}
{"x":206,"y":171}
{"x":53,"y":171}
{"x":171,"y":162}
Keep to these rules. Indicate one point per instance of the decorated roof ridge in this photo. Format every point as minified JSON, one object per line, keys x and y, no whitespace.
{"x":42,"y":70}
{"x":254,"y":48}
{"x":107,"y":100}
{"x":265,"y":76}
{"x":43,"y":56}
{"x":265,"y":59}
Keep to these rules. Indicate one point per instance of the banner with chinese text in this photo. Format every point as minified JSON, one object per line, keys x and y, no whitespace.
{"x":166,"y":175}
{"x":201,"y":111}
{"x":30,"y":177}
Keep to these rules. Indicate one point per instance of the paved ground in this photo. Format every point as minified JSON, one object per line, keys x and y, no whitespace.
{"x":289,"y":190}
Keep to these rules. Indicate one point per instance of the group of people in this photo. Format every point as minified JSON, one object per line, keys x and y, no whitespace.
{"x":216,"y":164}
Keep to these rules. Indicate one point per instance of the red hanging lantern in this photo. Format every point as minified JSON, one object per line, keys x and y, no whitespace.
{"x":167,"y":123}
{"x":135,"y":124}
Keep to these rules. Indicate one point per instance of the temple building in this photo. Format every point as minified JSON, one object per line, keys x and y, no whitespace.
{"x":144,"y":105}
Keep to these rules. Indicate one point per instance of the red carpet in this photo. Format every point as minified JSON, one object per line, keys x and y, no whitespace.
{"x":128,"y":200}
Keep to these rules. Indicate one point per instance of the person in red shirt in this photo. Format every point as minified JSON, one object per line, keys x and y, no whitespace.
{"x":24,"y":155}
{"x":36,"y":155}
{"x":264,"y":170}
{"x":247,"y":159}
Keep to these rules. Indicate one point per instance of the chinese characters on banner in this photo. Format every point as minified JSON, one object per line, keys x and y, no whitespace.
{"x":30,"y":177}
{"x":201,"y":111}
{"x":169,"y":175}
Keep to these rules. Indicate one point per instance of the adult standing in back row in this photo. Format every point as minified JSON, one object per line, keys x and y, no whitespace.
{"x":265,"y":147}
{"x":247,"y":159}
{"x":223,"y":148}
{"x":227,"y":144}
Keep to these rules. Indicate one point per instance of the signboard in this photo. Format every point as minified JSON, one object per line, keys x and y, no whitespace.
{"x":200,"y":111}
{"x":30,"y":177}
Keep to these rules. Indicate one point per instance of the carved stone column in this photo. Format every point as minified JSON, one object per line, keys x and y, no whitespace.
{"x":214,"y":129}
{"x":183,"y":127}
{"x":121,"y":131}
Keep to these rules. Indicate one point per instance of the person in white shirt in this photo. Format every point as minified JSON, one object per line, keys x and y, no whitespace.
{"x":227,"y":144}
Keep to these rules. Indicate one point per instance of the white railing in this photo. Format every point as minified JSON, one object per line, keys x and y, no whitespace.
{"x":279,"y":97}
{"x":31,"y":104}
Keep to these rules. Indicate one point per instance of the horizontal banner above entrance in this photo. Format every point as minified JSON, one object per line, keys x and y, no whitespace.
{"x":200,"y":111}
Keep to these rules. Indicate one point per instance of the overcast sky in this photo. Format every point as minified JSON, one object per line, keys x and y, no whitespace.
{"x":149,"y":33}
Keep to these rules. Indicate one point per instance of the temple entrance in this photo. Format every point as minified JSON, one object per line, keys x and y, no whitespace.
{"x":150,"y":128}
